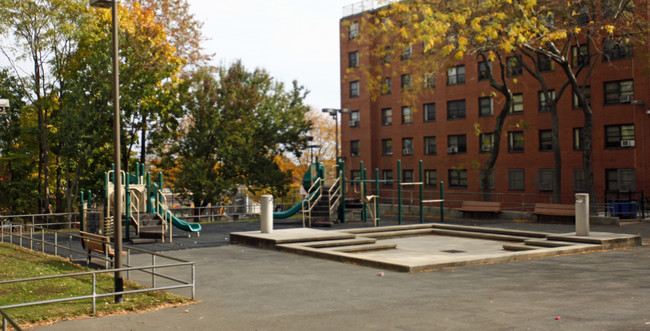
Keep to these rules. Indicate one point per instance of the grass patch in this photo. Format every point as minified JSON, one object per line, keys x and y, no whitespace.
{"x":18,"y":262}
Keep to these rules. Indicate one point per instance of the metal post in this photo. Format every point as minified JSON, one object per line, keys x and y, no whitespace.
{"x":127,"y":210}
{"x":582,"y":214}
{"x":342,"y":203}
{"x":153,"y":270}
{"x":43,"y":240}
{"x":442,"y":203}
{"x":31,"y":238}
{"x":70,"y":247}
{"x":94,"y":294}
{"x":421,"y":194}
{"x":193,"y":281}
{"x":377,"y":197}
{"x":56,"y":244}
{"x":20,"y":239}
{"x":399,"y":192}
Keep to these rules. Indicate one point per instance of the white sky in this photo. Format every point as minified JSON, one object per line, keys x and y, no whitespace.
{"x":291,"y":39}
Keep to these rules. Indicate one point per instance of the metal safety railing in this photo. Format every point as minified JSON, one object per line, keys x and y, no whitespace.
{"x":7,"y":321}
{"x":14,"y":234}
{"x":314,"y":194}
{"x":335,"y":194}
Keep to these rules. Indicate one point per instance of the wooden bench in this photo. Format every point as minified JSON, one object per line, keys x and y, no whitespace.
{"x":99,"y":244}
{"x":480,"y":206}
{"x":554,"y":209}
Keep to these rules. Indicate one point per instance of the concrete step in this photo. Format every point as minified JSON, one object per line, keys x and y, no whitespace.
{"x":546,"y":243}
{"x":366,"y":248}
{"x":389,"y":228}
{"x":339,"y":243}
{"x":480,"y":235}
{"x":518,"y":247}
{"x":521,"y":233}
{"x":397,"y":234}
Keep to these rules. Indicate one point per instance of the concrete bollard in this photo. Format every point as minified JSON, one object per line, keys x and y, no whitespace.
{"x":267,"y":214}
{"x":582,"y":214}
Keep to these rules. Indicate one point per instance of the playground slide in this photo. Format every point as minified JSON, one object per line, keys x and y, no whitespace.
{"x":179,"y":223}
{"x":289,"y":212}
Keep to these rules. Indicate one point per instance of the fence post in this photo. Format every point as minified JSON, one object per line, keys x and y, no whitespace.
{"x":20,"y":233}
{"x":56,"y":244}
{"x":31,"y":238}
{"x":70,"y":247}
{"x":43,"y":240}
{"x":153,"y":270}
{"x":442,"y":203}
{"x":94,"y":294}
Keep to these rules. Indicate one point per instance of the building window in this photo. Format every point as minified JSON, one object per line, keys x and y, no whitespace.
{"x":516,"y":142}
{"x":354,"y":30}
{"x":514,"y":66}
{"x":545,"y":140}
{"x":406,"y":82}
{"x":545,"y":179}
{"x":407,"y":146}
{"x":578,"y":142}
{"x":544,"y":63}
{"x":457,"y":178}
{"x":619,"y":136}
{"x":407,"y":115}
{"x":430,"y":178}
{"x":386,"y":86}
{"x":517,"y":104}
{"x":579,"y":180}
{"x":579,"y":55}
{"x":355,"y":118}
{"x":386,"y":116}
{"x":407,"y":52}
{"x":516,"y":179}
{"x":486,"y":142}
{"x":455,"y":109}
{"x":386,"y":147}
{"x":485,"y":107}
{"x":546,"y":100}
{"x":620,"y":180}
{"x":456,"y":144}
{"x":587,"y":92}
{"x":617,"y":49}
{"x":354,"y":148}
{"x":354,"y":89}
{"x":429,"y":80}
{"x":407,"y":176}
{"x":456,"y":75}
{"x":429,"y":112}
{"x":353,"y":58}
{"x":621,"y":91}
{"x":387,"y":175}
{"x":430,"y":145}
{"x":484,"y":69}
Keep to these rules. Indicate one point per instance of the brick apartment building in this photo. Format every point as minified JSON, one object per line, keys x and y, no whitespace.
{"x":440,"y":128}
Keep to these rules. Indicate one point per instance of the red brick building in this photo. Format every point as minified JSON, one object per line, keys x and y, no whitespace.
{"x":440,"y":128}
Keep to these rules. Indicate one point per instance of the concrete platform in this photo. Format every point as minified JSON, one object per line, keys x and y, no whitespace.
{"x":424,"y":247}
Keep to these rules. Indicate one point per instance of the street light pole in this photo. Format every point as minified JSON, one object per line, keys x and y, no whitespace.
{"x":117,"y":181}
{"x":335,"y":115}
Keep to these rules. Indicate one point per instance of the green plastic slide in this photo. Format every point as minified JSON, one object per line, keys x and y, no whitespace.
{"x":179,"y":223}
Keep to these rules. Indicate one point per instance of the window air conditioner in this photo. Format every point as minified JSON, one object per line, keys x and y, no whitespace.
{"x":625,"y":99}
{"x":452,"y":150}
{"x":354,"y":123}
{"x":407,"y":151}
{"x":627,"y":143}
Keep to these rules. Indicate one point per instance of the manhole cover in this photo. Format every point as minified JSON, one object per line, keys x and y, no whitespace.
{"x":453,"y":251}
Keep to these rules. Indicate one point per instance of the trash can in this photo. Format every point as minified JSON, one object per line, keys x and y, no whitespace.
{"x":625,"y":209}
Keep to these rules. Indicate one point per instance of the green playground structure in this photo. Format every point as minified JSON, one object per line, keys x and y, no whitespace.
{"x":144,"y":207}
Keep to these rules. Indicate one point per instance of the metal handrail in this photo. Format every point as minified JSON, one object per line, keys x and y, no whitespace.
{"x":161,"y":205}
{"x":312,"y":199}
{"x":148,"y":269}
{"x":336,"y":195}
{"x":6,"y":319}
{"x":134,"y":207}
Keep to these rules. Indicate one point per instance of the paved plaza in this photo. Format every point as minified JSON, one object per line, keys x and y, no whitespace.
{"x":245,"y":288}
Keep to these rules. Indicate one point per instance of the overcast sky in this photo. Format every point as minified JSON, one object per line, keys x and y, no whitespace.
{"x":291,"y":39}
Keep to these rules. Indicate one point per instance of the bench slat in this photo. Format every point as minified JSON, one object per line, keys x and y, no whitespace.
{"x":553,"y":209}
{"x":481,"y":206}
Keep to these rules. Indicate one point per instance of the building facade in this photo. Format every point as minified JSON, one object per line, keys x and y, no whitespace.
{"x":440,"y":128}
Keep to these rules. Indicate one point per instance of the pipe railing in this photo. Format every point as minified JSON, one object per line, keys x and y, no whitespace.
{"x":16,"y":231}
{"x":314,"y":194}
{"x":335,"y":194}
{"x":6,"y":320}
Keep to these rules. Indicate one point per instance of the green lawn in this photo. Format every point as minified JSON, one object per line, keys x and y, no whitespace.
{"x":16,"y":262}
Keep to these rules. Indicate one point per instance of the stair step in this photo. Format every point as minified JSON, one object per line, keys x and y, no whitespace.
{"x":518,"y":247}
{"x":338,"y":243}
{"x":480,"y":235}
{"x":546,"y":243}
{"x":366,"y":248}
{"x":397,"y":234}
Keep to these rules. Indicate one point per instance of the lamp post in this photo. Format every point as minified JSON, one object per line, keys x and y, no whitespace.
{"x":117,"y":181}
{"x":335,"y":115}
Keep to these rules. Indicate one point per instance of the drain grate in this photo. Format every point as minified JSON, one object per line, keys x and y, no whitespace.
{"x":453,"y":251}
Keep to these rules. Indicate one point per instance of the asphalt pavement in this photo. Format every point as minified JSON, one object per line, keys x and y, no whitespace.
{"x":243,"y":288}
